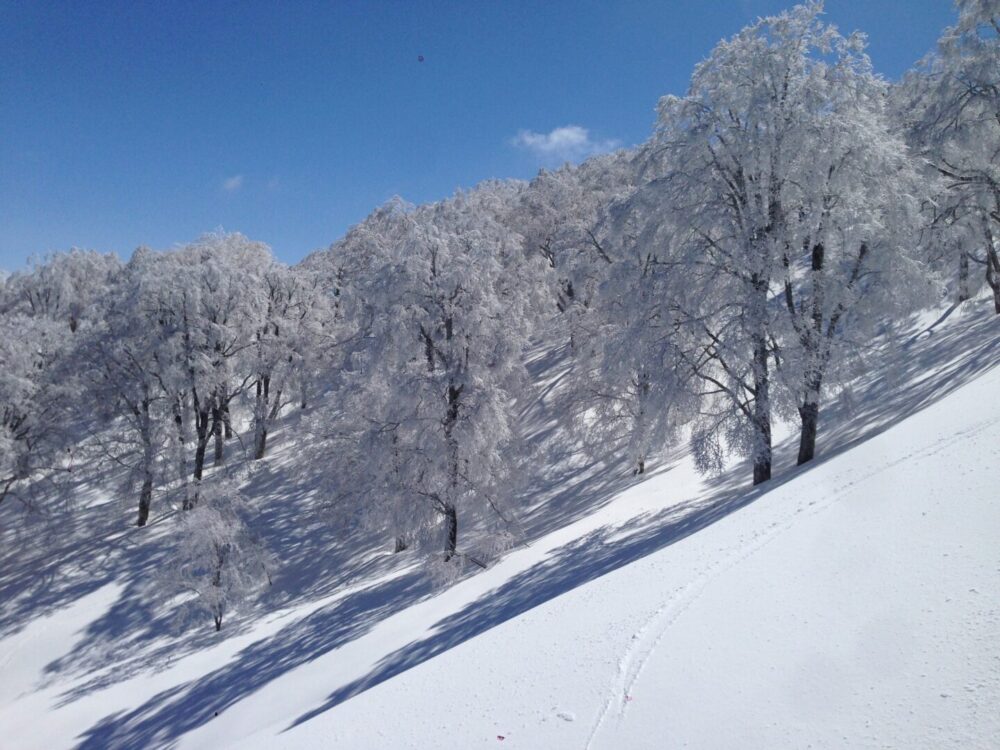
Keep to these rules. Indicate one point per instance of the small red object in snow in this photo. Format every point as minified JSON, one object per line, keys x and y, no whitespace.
{"x":501,"y":737}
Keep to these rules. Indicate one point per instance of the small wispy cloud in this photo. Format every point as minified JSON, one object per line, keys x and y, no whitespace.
{"x":232,"y":184}
{"x":566,"y":143}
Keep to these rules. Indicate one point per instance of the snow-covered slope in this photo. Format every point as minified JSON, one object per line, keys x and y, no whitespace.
{"x":853,"y":604}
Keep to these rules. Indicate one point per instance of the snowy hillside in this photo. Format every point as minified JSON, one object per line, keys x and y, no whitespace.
{"x":853,"y":603}
{"x":691,"y":444}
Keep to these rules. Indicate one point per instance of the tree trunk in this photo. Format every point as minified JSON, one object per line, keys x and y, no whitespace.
{"x":809,"y":414}
{"x":182,"y":462}
{"x":261,"y":417}
{"x":992,"y":266}
{"x":762,"y":450}
{"x":451,"y":419}
{"x":260,"y":442}
{"x":148,"y":459}
{"x":201,"y":429}
{"x":761,"y":388}
{"x":963,"y":277}
{"x":814,"y":346}
{"x":993,"y":277}
{"x":220,"y":445}
{"x":145,"y":500}
{"x":400,"y":545}
{"x":227,"y":422}
{"x":218,"y":609}
{"x":451,"y":519}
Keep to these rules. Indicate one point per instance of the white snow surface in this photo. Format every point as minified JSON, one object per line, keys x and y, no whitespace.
{"x":852,"y":603}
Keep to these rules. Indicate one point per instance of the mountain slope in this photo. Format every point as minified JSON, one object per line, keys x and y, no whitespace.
{"x":854,"y":603}
{"x":857,"y":605}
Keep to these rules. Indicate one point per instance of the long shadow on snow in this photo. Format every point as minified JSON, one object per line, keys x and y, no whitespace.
{"x":56,"y":559}
{"x":162,"y":719}
{"x":63,"y":552}
{"x":586,"y":559}
{"x":921,"y":375}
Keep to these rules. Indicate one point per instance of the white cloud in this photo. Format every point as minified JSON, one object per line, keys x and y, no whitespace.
{"x":232,"y":184}
{"x":567,"y":143}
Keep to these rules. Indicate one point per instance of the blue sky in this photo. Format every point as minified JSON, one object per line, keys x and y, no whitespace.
{"x":128,"y":123}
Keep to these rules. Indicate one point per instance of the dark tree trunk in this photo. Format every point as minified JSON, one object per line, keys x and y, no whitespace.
{"x":148,"y":457}
{"x":400,"y":545}
{"x":809,"y":414}
{"x":220,"y":444}
{"x":260,"y":447}
{"x":201,"y":430}
{"x":761,"y":390}
{"x":227,"y":422}
{"x":816,"y":352}
{"x":220,"y":562}
{"x":963,"y":277}
{"x":762,"y":455}
{"x":993,"y":277}
{"x":145,"y":499}
{"x":450,"y":421}
{"x":182,"y":461}
{"x":992,"y":265}
{"x":261,"y":416}
{"x":451,"y":519}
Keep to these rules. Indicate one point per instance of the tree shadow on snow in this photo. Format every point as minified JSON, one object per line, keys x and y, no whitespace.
{"x":58,"y":555}
{"x":162,"y":719}
{"x":564,"y":488}
{"x":928,"y":365}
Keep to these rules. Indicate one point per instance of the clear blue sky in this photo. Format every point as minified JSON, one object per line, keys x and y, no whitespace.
{"x":128,"y":123}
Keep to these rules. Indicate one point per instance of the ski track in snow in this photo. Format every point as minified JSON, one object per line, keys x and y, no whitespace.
{"x":648,"y":637}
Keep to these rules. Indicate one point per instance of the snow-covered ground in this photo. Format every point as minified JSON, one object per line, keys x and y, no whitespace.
{"x":855,"y":603}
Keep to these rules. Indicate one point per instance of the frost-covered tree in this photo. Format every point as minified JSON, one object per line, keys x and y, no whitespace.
{"x":40,"y":309}
{"x":627,"y":387}
{"x":557,"y":214}
{"x":297,"y":328}
{"x":61,"y":287}
{"x":218,"y":559}
{"x":227,"y":279}
{"x":33,"y":424}
{"x":430,"y":403}
{"x":215,"y":302}
{"x":777,"y":201}
{"x":124,"y":377}
{"x":849,"y":259}
{"x":724,"y":157}
{"x":953,"y":109}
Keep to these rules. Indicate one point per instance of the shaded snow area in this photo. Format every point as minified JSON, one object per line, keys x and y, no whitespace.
{"x":851,"y":603}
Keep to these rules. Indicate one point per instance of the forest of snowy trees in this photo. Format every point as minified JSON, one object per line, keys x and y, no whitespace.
{"x":725,"y":275}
